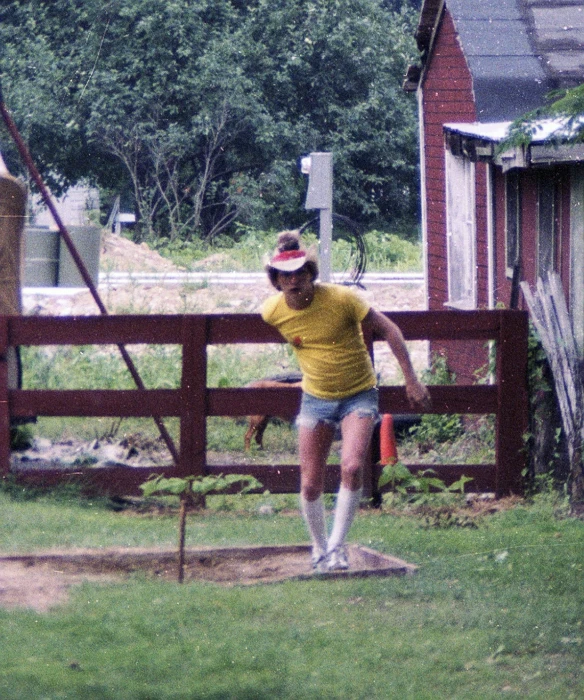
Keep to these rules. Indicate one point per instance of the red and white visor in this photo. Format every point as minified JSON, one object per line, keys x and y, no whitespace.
{"x":289,"y":260}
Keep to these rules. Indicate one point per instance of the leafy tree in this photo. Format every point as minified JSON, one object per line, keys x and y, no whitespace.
{"x":202,"y":108}
{"x":33,"y":85}
{"x":175,"y":107}
{"x":330,"y":73}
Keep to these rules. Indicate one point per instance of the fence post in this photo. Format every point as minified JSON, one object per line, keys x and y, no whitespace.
{"x":4,"y":407}
{"x":512,"y":418}
{"x":193,"y":424}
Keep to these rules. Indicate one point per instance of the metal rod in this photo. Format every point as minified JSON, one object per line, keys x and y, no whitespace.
{"x":36,"y":176}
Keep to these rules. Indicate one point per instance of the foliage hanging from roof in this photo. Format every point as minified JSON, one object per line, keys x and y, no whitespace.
{"x":562,"y":119}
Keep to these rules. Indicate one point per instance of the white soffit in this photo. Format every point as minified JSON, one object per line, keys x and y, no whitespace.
{"x":489,"y":131}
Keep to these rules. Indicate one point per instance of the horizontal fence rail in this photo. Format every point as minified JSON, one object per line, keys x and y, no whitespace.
{"x":194,"y":401}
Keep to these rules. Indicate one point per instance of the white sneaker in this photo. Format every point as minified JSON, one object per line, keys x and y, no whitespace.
{"x":337,"y":559}
{"x":319,"y":562}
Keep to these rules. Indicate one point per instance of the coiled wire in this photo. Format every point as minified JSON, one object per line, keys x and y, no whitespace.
{"x":354,"y":233}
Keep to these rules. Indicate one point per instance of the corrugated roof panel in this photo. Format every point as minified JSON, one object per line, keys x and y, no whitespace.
{"x":497,"y":131}
{"x":488,"y":131}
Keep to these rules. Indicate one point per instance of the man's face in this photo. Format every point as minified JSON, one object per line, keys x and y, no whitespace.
{"x":295,"y":284}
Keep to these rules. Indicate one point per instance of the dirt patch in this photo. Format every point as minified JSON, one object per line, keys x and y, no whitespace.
{"x":39,"y":587}
{"x":120,"y":254}
{"x":43,"y":580}
{"x":150,"y":298}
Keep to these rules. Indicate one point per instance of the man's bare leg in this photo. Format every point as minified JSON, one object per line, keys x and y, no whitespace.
{"x":356,"y":431}
{"x":314,"y":447}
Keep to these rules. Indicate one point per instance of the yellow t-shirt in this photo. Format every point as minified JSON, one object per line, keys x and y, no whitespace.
{"x":327,"y":339}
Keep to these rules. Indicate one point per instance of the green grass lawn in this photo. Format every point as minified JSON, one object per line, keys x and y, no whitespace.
{"x":494,"y":610}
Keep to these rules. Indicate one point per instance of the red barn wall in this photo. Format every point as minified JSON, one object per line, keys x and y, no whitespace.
{"x":528,"y":243}
{"x":529,"y":225}
{"x":447,"y":96}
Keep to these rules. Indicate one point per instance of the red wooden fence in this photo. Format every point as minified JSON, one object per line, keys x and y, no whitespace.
{"x":193,"y":401}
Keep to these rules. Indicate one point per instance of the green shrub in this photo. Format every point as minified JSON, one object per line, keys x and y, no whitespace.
{"x":385,"y":251}
{"x":434,"y":428}
{"x":417,"y":488}
{"x":388,"y":251}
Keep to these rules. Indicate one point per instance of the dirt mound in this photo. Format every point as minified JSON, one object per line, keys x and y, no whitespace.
{"x":122,"y":255}
{"x":42,"y":580}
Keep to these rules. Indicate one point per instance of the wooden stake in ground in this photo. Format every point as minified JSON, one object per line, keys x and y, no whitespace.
{"x":549,"y":313}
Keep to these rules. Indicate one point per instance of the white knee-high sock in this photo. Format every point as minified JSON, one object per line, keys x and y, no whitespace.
{"x":314,"y":515}
{"x":347,"y":504}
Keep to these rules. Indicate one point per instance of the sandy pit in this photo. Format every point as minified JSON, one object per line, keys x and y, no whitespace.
{"x":42,"y":580}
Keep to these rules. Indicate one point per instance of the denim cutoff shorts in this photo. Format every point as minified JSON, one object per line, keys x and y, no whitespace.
{"x":331,"y":411}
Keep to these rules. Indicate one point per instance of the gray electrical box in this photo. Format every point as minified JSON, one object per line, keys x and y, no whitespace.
{"x":320,"y":181}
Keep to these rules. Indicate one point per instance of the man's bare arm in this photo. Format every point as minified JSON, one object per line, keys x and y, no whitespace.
{"x":383,"y":327}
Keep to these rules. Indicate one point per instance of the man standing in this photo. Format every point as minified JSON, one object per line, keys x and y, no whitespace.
{"x":323,"y":323}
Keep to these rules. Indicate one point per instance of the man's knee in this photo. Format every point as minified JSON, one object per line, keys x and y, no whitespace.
{"x":352,"y":465}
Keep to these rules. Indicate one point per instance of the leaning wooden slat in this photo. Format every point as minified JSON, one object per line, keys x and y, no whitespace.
{"x":557,"y":351}
{"x":535,"y":305}
{"x":569,"y":343}
{"x":557,"y":293}
{"x":568,"y":332}
{"x":567,"y":377}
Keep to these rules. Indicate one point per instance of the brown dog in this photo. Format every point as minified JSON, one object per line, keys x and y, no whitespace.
{"x":258,"y":424}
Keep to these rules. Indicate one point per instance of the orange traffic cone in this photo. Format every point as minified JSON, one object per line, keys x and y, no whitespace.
{"x":387,"y":446}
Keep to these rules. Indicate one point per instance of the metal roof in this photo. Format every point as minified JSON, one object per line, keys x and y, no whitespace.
{"x":516,"y":50}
